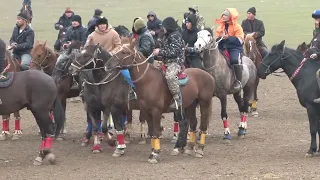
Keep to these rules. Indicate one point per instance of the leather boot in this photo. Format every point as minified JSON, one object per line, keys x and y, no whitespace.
{"x":238,"y":74}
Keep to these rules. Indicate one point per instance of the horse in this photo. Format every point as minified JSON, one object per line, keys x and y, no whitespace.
{"x":43,"y":58}
{"x":99,"y":94}
{"x":122,"y":31}
{"x":252,"y":51}
{"x":12,"y":65}
{"x":30,"y":89}
{"x":154,"y":98}
{"x":218,"y":66}
{"x":302,"y":74}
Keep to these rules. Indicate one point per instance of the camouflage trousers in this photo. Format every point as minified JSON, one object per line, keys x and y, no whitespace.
{"x":172,"y":79}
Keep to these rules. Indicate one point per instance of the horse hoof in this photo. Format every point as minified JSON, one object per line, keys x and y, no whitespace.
{"x":127,"y":141}
{"x":96,"y":149}
{"x":308,"y":155}
{"x":37,"y":161}
{"x":188,"y":152}
{"x":52,"y":158}
{"x":15,"y":137}
{"x":142,"y":142}
{"x":241,"y":133}
{"x":153,"y":161}
{"x":60,"y":138}
{"x":3,"y":137}
{"x":199,"y":154}
{"x":118,"y":153}
{"x":254,"y":114}
{"x":316,"y":154}
{"x":174,"y":152}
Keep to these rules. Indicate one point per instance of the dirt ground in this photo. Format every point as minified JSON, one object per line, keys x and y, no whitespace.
{"x":274,"y":147}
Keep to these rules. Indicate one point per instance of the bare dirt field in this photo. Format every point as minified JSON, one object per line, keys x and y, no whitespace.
{"x":275,"y":144}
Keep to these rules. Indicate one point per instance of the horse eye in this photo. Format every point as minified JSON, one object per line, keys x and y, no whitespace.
{"x":39,"y":55}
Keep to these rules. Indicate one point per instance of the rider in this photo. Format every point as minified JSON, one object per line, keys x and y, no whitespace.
{"x":92,"y":21}
{"x":252,"y":24}
{"x":2,"y":57}
{"x":317,"y":56}
{"x":22,"y":40}
{"x":172,"y":54}
{"x":316,"y":17}
{"x":200,"y":20}
{"x":154,"y":24}
{"x":145,"y":42}
{"x":65,"y":21}
{"x":189,"y":35}
{"x":232,"y":40}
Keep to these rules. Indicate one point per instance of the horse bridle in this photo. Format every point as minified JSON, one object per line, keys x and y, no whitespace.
{"x":79,"y":66}
{"x":45,"y":58}
{"x":281,"y":57}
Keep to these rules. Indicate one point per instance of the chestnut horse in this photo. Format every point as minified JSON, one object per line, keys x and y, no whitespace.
{"x":154,"y":97}
{"x":252,"y":51}
{"x":12,"y":65}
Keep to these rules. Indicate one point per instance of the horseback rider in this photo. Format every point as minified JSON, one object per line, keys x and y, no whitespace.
{"x":316,"y":17}
{"x":232,"y":36}
{"x":145,"y":42}
{"x":65,"y":21}
{"x":2,"y":57}
{"x":172,"y":54}
{"x":189,"y":35}
{"x":92,"y":22}
{"x":154,"y":25}
{"x":200,"y":20}
{"x":251,"y":25}
{"x":316,"y":56}
{"x":22,"y":40}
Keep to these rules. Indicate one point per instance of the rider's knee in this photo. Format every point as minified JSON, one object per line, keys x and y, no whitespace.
{"x":26,"y":59}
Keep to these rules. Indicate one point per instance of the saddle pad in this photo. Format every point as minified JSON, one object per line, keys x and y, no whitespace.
{"x":7,"y":81}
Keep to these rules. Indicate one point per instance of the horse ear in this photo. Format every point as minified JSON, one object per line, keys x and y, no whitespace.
{"x":45,"y":43}
{"x":255,"y":35}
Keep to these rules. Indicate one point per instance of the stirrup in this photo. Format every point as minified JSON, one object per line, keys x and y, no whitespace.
{"x":75,"y":85}
{"x":2,"y":76}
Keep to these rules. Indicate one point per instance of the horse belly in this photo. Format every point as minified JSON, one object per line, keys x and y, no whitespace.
{"x":11,"y":100}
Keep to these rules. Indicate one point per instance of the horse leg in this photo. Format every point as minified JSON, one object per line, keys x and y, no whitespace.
{"x":46,"y":127}
{"x":176,"y":118}
{"x":5,"y":127}
{"x":128,"y":127}
{"x":87,"y":136}
{"x":143,"y":134}
{"x":154,"y":157}
{"x":117,"y":117}
{"x":206,"y":112}
{"x":96,"y":135}
{"x":313,"y":121}
{"x":17,"y":129}
{"x":224,"y":117}
{"x":243,"y":113}
{"x":254,"y":111}
{"x":64,"y":106}
{"x":192,"y":118}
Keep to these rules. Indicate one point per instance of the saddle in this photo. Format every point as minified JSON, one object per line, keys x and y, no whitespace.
{"x":183,"y":78}
{"x":6,"y":79}
{"x":226,"y":54}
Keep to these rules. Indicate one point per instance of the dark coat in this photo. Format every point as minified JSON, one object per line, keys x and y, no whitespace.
{"x":190,"y":36}
{"x":92,"y":24}
{"x":76,"y":34}
{"x":173,"y":48}
{"x":65,"y":21}
{"x":257,"y":26}
{"x":24,"y":40}
{"x":145,"y":43}
{"x":154,"y":25}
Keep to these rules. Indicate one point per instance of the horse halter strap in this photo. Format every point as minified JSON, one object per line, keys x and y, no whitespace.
{"x":279,"y":58}
{"x":45,"y":58}
{"x":80,"y":66}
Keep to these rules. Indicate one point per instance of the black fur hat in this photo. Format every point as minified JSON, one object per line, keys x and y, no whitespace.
{"x":102,"y":20}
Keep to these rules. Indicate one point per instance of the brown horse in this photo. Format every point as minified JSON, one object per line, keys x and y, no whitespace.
{"x":154,"y":98}
{"x":12,"y":65}
{"x":252,"y":51}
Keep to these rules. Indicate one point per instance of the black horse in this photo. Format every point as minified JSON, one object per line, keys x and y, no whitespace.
{"x":302,"y":73}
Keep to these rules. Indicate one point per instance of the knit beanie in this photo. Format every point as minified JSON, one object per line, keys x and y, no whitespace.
{"x":139,"y":24}
{"x":77,"y":18}
{"x":23,"y":16}
{"x":252,"y":10}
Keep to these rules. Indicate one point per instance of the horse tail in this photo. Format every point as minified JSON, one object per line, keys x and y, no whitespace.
{"x":59,"y":115}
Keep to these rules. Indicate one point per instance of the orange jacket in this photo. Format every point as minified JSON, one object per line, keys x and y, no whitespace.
{"x":234,"y":29}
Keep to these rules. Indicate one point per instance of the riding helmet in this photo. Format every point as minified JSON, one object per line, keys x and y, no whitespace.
{"x":316,"y":14}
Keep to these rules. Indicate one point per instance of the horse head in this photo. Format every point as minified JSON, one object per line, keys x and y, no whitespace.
{"x":40,"y":56}
{"x":204,"y":40}
{"x":303,"y":47}
{"x":125,"y":58}
{"x":122,"y":31}
{"x":251,"y":48}
{"x":272,"y":61}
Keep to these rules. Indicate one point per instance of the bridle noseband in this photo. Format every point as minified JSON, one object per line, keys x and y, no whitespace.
{"x":47,"y":55}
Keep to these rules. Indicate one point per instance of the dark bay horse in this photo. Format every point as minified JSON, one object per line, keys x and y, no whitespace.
{"x":30,"y":89}
{"x":99,"y":94}
{"x":302,"y":73}
{"x":154,"y":98}
{"x":43,"y":58}
{"x":252,"y":52}
{"x":12,"y":65}
{"x":218,"y":66}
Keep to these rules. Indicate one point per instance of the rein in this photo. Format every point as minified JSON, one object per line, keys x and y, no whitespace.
{"x":211,"y":46}
{"x":48,"y":54}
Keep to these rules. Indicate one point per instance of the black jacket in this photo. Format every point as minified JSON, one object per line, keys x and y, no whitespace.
{"x":154,"y":25}
{"x":25,"y":40}
{"x":190,"y":36}
{"x":145,"y":43}
{"x":76,"y":34}
{"x":65,"y":21}
{"x":256,"y":25}
{"x":92,"y":24}
{"x":173,"y":48}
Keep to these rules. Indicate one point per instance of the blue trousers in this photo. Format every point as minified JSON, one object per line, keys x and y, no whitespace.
{"x":125,"y":73}
{"x":234,"y":56}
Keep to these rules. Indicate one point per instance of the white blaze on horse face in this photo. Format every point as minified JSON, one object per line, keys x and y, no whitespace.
{"x":204,"y":38}
{"x":83,"y":51}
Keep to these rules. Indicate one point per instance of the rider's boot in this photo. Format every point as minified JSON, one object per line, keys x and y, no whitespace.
{"x":318,"y":81}
{"x":177,"y":103}
{"x":238,"y":73}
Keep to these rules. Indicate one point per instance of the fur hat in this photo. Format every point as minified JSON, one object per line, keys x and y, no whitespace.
{"x":102,"y":20}
{"x":170,"y":24}
{"x":252,"y":10}
{"x":139,"y":24}
{"x":23,"y":16}
{"x":76,"y":18}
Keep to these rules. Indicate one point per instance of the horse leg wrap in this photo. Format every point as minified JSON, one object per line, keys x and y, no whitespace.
{"x":152,"y":144}
{"x":156,"y":144}
{"x":143,"y":130}
{"x":226,"y":126}
{"x":193,"y":136}
{"x":99,"y":126}
{"x":110,"y":122}
{"x":5,"y":126}
{"x":254,"y":105}
{"x":42,"y":145}
{"x":203,"y":138}
{"x":120,"y":139}
{"x":243,"y":122}
{"x":175,"y":128}
{"x":17,"y":128}
{"x":48,"y":143}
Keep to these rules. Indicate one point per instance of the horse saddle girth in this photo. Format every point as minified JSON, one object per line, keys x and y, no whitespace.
{"x":6,"y":79}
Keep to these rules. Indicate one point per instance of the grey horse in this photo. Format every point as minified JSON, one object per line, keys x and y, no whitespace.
{"x":217,"y":65}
